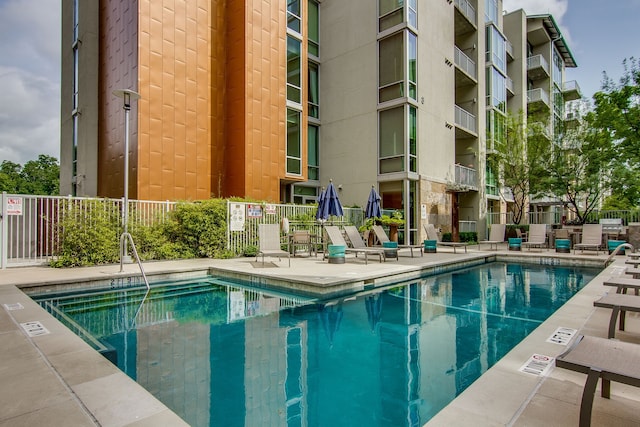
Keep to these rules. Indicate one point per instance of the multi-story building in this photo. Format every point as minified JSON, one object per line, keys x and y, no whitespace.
{"x":271,"y":100}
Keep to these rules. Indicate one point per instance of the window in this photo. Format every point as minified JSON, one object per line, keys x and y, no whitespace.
{"x":390,"y":13}
{"x":413,"y":139}
{"x":491,"y":11}
{"x":314,"y":107}
{"x":496,"y":48}
{"x":558,"y":65}
{"x":313,"y":147}
{"x":294,"y":142}
{"x":313,"y":28}
{"x":413,"y":66}
{"x":491,"y":182}
{"x":293,"y":15}
{"x":391,"y":68}
{"x":496,"y":89}
{"x":392,"y":141}
{"x":496,"y":128}
{"x":293,"y":70}
{"x":413,"y":13}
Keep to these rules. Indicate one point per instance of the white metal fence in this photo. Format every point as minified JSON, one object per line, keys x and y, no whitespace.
{"x":29,"y":224}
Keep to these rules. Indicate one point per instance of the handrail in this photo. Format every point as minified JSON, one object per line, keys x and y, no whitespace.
{"x":617,"y":249}
{"x":124,"y":236}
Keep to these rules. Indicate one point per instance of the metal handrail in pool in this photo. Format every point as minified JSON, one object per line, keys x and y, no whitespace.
{"x":124,"y":236}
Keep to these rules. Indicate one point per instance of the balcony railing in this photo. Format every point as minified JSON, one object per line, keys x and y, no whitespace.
{"x":537,"y":66}
{"x":509,"y":85}
{"x":465,"y":120}
{"x":571,"y":90}
{"x":466,"y":177}
{"x":509,"y":48}
{"x":465,"y":63}
{"x":467,"y":10}
{"x":538,"y":95}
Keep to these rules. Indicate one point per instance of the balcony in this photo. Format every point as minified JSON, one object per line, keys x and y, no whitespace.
{"x":466,"y":72}
{"x":466,"y":178}
{"x":537,"y":67}
{"x":509,"y":49}
{"x":509,"y":85}
{"x":571,"y":90}
{"x":539,"y":128}
{"x":572,"y":120}
{"x":465,"y":17}
{"x":537,"y":97}
{"x":466,"y":123}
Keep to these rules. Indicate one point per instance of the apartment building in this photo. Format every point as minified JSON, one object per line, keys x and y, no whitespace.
{"x":271,"y":100}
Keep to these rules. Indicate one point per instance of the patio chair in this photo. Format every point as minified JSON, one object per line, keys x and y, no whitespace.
{"x":619,"y":304}
{"x":269,"y":242}
{"x":301,"y":239}
{"x":611,"y":360}
{"x":591,"y":238}
{"x":537,"y":236}
{"x":432,"y":234}
{"x":522,"y":235}
{"x":496,"y":235}
{"x":383,"y":238}
{"x":335,"y":236}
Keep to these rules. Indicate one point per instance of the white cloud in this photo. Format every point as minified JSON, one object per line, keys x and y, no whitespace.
{"x":29,"y":79}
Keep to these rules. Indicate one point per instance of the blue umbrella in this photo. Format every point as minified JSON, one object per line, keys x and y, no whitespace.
{"x":331,"y":205}
{"x":321,"y":201}
{"x":373,"y":205}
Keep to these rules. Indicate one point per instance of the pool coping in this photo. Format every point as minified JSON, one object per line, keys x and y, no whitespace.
{"x":92,"y":389}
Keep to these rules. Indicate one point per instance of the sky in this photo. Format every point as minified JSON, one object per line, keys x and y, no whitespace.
{"x":600,"y":34}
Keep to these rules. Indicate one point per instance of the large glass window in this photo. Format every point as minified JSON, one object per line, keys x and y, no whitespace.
{"x":313,"y":147}
{"x":413,"y":139}
{"x":294,"y":142}
{"x":413,"y":66}
{"x":496,"y":128}
{"x":391,"y":68}
{"x":293,"y":15}
{"x":496,"y":89}
{"x":558,"y":65}
{"x":313,"y":28}
{"x":392,"y":140}
{"x":314,"y":96}
{"x":491,"y":11}
{"x":390,"y":13}
{"x":496,"y":48}
{"x":413,"y":13}
{"x":294,"y":92}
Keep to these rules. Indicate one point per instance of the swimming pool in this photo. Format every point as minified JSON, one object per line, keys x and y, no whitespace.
{"x":230,"y":355}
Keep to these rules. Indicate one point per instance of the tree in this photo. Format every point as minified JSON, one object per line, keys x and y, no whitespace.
{"x":577,"y":170}
{"x":617,"y":114}
{"x":38,"y":177}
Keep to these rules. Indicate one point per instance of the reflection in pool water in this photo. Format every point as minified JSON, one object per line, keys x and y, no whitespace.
{"x":231,"y":356}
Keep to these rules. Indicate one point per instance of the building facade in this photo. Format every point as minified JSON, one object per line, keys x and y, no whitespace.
{"x":270,"y":100}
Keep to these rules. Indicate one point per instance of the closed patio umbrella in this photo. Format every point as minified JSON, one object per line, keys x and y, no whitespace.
{"x":331,"y":204}
{"x":321,"y":200}
{"x":373,"y":205}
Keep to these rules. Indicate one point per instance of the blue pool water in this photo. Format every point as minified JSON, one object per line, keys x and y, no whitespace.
{"x":223,"y":355}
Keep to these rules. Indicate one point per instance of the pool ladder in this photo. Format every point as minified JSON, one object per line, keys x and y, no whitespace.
{"x":617,"y":249}
{"x":123,"y":240}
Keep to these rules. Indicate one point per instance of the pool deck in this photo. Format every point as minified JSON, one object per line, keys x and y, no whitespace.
{"x":52,"y":377}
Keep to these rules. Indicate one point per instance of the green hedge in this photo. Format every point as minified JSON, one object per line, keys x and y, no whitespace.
{"x":465,"y":237}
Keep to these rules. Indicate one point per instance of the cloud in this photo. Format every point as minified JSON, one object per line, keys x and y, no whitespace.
{"x":29,"y":79}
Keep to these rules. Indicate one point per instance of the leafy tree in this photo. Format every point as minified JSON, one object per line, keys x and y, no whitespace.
{"x":616,"y":114}
{"x":38,"y":177}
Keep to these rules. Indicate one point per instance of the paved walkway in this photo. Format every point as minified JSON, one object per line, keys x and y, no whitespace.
{"x":51,"y":377}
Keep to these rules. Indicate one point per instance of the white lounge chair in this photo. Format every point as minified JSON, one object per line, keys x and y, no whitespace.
{"x":496,"y":235}
{"x":432,"y":234}
{"x":591,"y":238}
{"x":270,"y":244}
{"x":383,"y":238}
{"x":537,"y":236}
{"x":335,"y":236}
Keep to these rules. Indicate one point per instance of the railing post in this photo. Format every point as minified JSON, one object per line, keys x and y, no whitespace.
{"x":4,"y":232}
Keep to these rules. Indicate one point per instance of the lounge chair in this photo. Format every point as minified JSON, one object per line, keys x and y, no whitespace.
{"x":269,"y":242}
{"x":383,"y":238}
{"x":432,"y":234}
{"x":623,"y":284}
{"x":610,"y":360}
{"x":619,"y":304}
{"x":537,"y":236}
{"x":356,"y":240}
{"x":591,"y":238}
{"x":496,"y":235}
{"x":335,"y":236}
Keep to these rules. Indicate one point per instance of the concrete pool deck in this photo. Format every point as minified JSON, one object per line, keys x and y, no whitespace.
{"x":55,"y":378}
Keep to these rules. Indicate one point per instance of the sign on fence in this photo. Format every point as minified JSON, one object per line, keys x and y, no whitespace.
{"x":14,"y":205}
{"x":236,"y":222}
